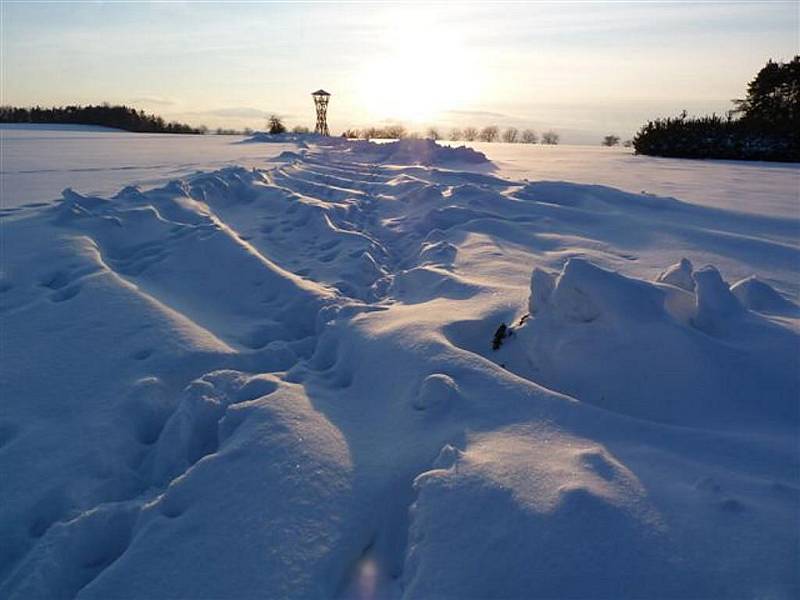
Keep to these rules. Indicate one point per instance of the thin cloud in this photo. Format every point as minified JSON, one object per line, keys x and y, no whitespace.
{"x":477,"y":114}
{"x":155,"y":100}
{"x":239,"y":112}
{"x":236,"y":111}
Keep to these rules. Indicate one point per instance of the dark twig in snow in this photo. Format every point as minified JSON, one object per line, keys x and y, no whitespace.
{"x":499,"y":336}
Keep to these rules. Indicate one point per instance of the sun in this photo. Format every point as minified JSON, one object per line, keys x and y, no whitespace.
{"x":422,"y":74}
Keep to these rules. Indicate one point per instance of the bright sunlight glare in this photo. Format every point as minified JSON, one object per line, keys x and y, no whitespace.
{"x":421,"y":74}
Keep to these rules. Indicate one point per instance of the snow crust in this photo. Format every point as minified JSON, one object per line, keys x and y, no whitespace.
{"x":280,"y":383}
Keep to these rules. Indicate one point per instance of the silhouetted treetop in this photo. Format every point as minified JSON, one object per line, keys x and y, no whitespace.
{"x":105,"y":115}
{"x":773,"y":96}
{"x":767,"y":127}
{"x":275,"y":125}
{"x":610,"y":140}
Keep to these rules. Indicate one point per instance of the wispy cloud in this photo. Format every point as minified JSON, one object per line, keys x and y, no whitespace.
{"x":240,"y":112}
{"x":478,"y":114}
{"x":153,"y":100}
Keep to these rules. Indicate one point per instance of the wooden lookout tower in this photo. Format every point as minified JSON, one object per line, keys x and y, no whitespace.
{"x":321,"y":98}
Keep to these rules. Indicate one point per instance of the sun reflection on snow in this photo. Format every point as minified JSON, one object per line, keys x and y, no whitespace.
{"x":366,"y":580}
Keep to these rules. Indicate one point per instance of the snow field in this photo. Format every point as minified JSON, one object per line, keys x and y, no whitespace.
{"x":281,"y":383}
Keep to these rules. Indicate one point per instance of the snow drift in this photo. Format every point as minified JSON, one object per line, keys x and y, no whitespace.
{"x":398,"y":152}
{"x":281,"y":383}
{"x":701,"y":355}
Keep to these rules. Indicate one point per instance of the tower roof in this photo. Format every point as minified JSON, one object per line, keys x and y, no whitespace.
{"x":320,"y":93}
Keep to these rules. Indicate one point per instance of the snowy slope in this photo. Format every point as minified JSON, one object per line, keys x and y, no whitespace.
{"x":281,"y":383}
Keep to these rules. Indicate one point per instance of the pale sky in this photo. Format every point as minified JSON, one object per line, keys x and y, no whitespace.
{"x":583,"y":69}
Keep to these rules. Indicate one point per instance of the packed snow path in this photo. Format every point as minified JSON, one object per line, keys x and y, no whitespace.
{"x":281,"y":384}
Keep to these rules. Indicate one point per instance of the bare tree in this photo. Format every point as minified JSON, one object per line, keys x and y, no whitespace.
{"x":275,"y":125}
{"x":396,"y":132}
{"x":300,"y":129}
{"x":470,"y":134}
{"x":511,"y":135}
{"x":490,"y":133}
{"x":529,"y":137}
{"x":610,"y":140}
{"x":456,"y":134}
{"x":433,"y":134}
{"x":550,"y":138}
{"x":350,"y":133}
{"x":628,"y":143}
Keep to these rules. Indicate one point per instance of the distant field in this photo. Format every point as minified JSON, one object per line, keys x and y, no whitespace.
{"x":759,"y":187}
{"x":39,"y":161}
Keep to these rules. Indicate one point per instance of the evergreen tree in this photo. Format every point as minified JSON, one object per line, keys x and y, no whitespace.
{"x":764,"y":126}
{"x":773,"y":96}
{"x":106,"y":115}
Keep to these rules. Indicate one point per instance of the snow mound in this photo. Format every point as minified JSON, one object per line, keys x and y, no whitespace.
{"x":438,"y":391}
{"x":597,"y":197}
{"x":399,"y":152}
{"x":425,"y":152}
{"x":679,"y":275}
{"x":760,"y":296}
{"x":716,"y":306}
{"x":585,"y":293}
{"x":301,"y":139}
{"x":581,"y":497}
{"x":288,"y":156}
{"x":686,"y":349}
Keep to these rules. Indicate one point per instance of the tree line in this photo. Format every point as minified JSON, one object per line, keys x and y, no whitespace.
{"x":490,"y":133}
{"x":763,"y":126}
{"x":130,"y":119}
{"x":106,"y":115}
